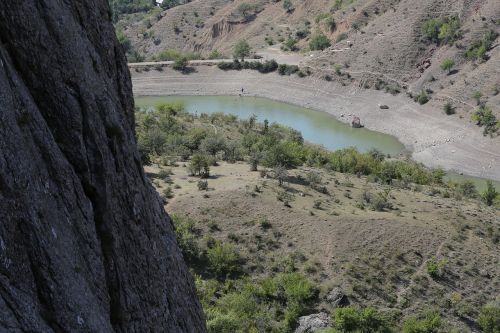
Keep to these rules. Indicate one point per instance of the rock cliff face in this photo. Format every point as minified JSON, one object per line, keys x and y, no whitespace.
{"x":84,"y":242}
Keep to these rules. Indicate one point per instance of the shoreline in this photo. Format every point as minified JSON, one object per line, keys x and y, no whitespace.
{"x":433,"y":138}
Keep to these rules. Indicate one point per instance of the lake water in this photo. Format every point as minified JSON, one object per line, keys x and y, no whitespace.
{"x":316,"y":127}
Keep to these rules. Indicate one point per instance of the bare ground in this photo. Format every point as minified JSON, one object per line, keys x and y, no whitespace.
{"x":435,"y":139}
{"x":377,"y":258}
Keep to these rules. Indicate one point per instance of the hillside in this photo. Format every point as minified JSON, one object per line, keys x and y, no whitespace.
{"x":380,"y":44}
{"x":276,"y":230}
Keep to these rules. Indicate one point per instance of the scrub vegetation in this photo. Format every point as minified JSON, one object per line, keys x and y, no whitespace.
{"x":278,"y":224}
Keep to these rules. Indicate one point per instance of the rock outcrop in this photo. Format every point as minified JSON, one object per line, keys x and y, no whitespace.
{"x":313,"y":323}
{"x":85,"y":245}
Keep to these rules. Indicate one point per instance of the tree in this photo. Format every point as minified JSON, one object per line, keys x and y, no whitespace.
{"x":213,"y":144}
{"x":287,"y":5}
{"x":241,"y":50}
{"x":447,"y":65}
{"x":490,"y":194}
{"x":199,"y":165}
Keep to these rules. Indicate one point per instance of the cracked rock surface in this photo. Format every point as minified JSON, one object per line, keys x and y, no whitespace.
{"x":85,"y":245}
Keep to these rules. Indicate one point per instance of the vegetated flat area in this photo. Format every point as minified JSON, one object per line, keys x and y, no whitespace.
{"x":435,"y":139}
{"x":404,"y":249}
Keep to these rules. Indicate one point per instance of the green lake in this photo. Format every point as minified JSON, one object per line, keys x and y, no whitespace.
{"x":316,"y":127}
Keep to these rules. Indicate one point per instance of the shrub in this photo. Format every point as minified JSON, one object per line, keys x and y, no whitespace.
{"x":478,"y":49}
{"x":330,"y":23}
{"x":489,"y":319}
{"x":168,"y":193}
{"x":449,"y":109}
{"x":350,"y":319}
{"x":477,"y":96}
{"x":490,"y":194}
{"x":422,"y":97}
{"x":286,"y":153}
{"x":314,"y":179}
{"x":180,"y":64}
{"x":215,"y":54}
{"x":468,"y":189}
{"x":431,"y":323}
{"x":435,"y":268}
{"x":284,"y":69}
{"x":186,"y":237}
{"x":223,"y":259}
{"x":484,"y":117}
{"x":202,"y":185}
{"x":439,"y":31}
{"x":287,"y":5}
{"x":280,"y":173}
{"x":447,"y":64}
{"x":284,"y":197}
{"x":319,"y":42}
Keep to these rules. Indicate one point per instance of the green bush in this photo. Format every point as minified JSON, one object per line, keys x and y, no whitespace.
{"x":447,"y":64}
{"x":438,"y":31}
{"x":449,"y":109}
{"x":224,"y":259}
{"x":352,"y":319}
{"x":180,"y":64}
{"x":484,"y":117}
{"x":478,"y":49}
{"x":435,"y":268}
{"x":431,"y":323}
{"x":319,"y":42}
{"x":186,"y":237}
{"x":422,"y":97}
{"x":489,"y":319}
{"x":490,"y":194}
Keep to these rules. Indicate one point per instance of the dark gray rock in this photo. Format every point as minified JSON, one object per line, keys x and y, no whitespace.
{"x":336,"y":298}
{"x":85,"y":245}
{"x":313,"y":323}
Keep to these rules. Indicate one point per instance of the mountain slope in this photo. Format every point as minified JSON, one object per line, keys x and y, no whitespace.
{"x":379,"y":43}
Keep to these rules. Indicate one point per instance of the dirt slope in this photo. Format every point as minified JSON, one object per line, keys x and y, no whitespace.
{"x":383,"y":42}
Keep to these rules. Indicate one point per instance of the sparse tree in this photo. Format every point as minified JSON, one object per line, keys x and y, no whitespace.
{"x":280,"y":173}
{"x":241,"y":50}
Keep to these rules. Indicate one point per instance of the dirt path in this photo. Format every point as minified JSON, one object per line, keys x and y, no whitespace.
{"x":434,"y":138}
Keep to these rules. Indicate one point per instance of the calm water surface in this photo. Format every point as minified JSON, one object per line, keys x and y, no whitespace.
{"x":316,"y":127}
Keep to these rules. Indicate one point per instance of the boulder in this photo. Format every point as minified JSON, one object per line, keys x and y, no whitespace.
{"x":336,"y":298}
{"x":356,"y":122}
{"x":313,"y":323}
